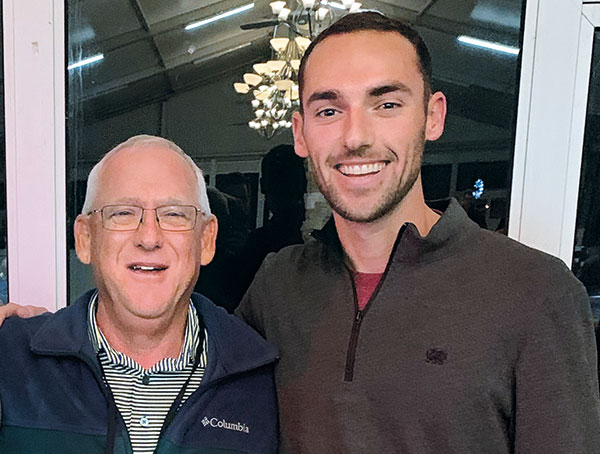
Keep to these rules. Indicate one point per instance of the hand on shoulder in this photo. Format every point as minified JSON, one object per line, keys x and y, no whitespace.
{"x":13,"y":309}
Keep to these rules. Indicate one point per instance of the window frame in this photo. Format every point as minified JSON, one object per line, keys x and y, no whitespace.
{"x":549,"y":141}
{"x":35,"y":157}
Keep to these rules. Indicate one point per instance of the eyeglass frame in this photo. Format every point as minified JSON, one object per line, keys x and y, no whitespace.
{"x":141,"y":217}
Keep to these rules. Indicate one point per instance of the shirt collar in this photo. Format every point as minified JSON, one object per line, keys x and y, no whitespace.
{"x":449,"y":234}
{"x":186,"y":357}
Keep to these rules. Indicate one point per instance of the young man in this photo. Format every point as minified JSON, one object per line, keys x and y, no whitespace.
{"x":402,"y":329}
{"x":140,"y":364}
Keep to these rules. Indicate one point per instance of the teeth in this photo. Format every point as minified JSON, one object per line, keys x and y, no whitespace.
{"x":363,"y":169}
{"x":145,"y":268}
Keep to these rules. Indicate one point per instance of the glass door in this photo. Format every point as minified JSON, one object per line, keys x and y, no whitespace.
{"x":586,"y":237}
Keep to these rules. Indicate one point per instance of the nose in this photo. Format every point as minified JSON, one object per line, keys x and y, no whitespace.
{"x":358,"y":131}
{"x":149,"y":234}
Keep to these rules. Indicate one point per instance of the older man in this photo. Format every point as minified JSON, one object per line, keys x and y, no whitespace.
{"x":139,"y":364}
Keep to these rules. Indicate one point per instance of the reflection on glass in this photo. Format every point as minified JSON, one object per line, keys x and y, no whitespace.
{"x":141,"y":71}
{"x":586,"y":257}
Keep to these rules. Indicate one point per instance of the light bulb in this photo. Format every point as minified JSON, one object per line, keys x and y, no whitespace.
{"x":276,"y":7}
{"x":321,"y":13}
{"x":284,"y":13}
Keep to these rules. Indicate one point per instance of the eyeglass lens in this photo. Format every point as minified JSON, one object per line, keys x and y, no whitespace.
{"x":172,"y":217}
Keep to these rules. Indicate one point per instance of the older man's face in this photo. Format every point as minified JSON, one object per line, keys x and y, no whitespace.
{"x":147,"y":272}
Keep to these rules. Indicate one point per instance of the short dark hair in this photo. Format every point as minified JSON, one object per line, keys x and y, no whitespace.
{"x":372,"y":21}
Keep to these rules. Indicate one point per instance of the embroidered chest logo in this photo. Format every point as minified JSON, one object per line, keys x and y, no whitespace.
{"x":436,"y":356}
{"x":222,"y":424}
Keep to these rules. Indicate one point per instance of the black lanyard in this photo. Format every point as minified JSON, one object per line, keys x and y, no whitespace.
{"x":113,"y":412}
{"x":177,"y":402}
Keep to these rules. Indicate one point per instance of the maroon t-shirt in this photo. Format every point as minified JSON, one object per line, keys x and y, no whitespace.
{"x":365,"y":284}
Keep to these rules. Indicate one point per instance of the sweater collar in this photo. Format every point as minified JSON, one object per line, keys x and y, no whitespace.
{"x":233,"y":347}
{"x":449,"y":233}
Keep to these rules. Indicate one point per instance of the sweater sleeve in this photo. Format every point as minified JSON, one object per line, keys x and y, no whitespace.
{"x":557,"y":401}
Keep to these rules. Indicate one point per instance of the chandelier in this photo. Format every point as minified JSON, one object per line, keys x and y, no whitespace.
{"x":273,"y":86}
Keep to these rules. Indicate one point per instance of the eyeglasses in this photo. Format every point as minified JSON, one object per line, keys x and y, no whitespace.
{"x":173,"y":218}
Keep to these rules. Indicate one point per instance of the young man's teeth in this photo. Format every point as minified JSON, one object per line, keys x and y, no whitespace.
{"x":362,"y":169}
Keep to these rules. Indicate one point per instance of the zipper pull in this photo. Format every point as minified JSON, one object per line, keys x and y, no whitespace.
{"x":359,"y":316}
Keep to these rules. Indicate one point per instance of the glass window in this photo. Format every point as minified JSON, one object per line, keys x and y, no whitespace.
{"x":169,"y":68}
{"x":586,"y":256}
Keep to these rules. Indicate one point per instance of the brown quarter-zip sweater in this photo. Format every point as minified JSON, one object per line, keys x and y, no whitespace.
{"x":472,"y":343}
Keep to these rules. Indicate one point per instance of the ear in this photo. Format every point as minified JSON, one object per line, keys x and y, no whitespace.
{"x":83,"y":238}
{"x":209,"y":240}
{"x":297,"y":128}
{"x":436,"y":116}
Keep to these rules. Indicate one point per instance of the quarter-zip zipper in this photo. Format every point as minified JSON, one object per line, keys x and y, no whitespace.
{"x":351,"y":355}
{"x":360,"y":314}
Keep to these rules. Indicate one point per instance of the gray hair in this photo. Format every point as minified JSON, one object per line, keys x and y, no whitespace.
{"x":138,"y":141}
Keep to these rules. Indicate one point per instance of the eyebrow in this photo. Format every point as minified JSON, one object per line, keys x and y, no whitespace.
{"x":327,"y":95}
{"x":332,"y":95}
{"x":389,"y":88}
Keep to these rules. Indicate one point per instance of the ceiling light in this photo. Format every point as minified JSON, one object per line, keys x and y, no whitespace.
{"x":302,"y":42}
{"x":241,"y":88}
{"x":276,"y":7}
{"x":488,"y":45}
{"x":284,"y":13}
{"x":354,"y":7}
{"x":231,"y":12}
{"x":86,"y":61}
{"x":279,"y":44}
{"x":252,"y":79}
{"x":272,"y":87}
{"x":260,"y":68}
{"x":322,"y":12}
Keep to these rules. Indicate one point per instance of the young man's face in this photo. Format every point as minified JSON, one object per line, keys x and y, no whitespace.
{"x":147,"y":273}
{"x":365,"y":121}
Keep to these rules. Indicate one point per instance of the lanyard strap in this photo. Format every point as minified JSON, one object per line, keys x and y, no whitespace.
{"x":113,"y":411}
{"x":177,"y":402}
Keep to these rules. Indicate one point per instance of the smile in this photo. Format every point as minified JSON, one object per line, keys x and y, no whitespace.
{"x":361,"y":169}
{"x":147,"y":268}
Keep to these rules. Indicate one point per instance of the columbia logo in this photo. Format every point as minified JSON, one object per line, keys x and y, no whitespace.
{"x":222,"y":424}
{"x":436,"y":356}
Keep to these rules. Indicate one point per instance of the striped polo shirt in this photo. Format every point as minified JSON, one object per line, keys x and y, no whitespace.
{"x":144,"y":396}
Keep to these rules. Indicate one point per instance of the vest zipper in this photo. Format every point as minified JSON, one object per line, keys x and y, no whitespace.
{"x":360,"y":314}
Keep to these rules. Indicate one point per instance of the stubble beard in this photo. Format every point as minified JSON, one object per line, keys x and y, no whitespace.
{"x":408,"y":178}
